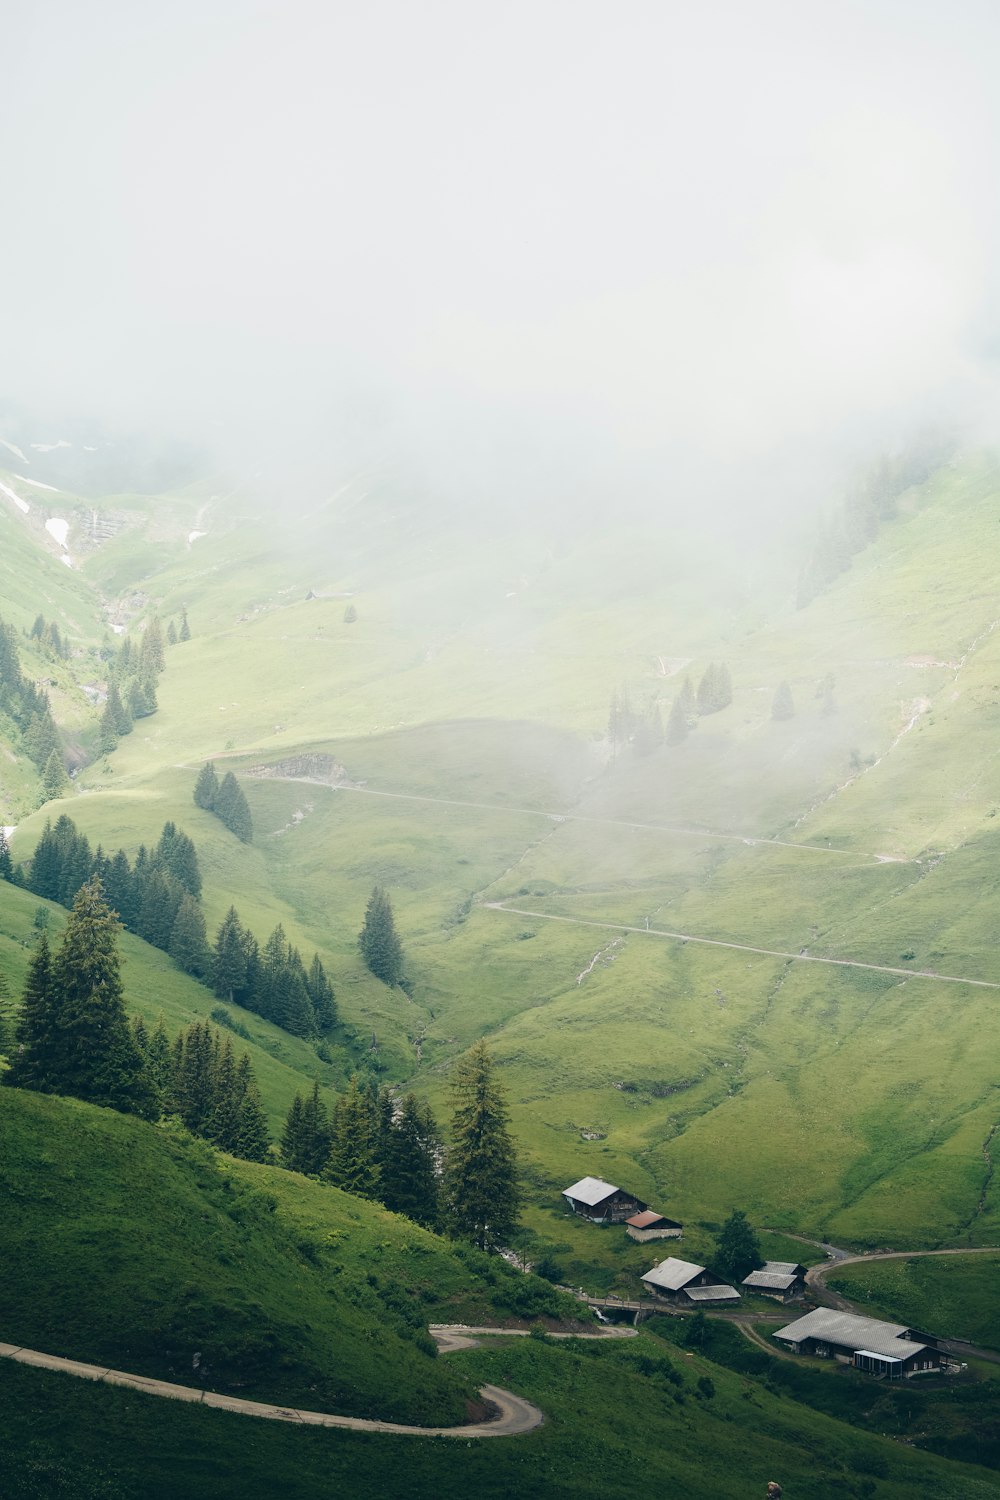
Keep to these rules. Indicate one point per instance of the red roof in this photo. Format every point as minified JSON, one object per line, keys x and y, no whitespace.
{"x":644,"y":1220}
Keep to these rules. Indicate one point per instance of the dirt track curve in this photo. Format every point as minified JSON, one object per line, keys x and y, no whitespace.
{"x":513,"y":1415}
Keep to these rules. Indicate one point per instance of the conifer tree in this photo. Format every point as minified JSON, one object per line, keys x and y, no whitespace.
{"x":7,"y":864}
{"x":352,"y":1163}
{"x":737,"y":1248}
{"x":98,"y":1059}
{"x":206,"y":788}
{"x":38,"y":1042}
{"x":229,"y":963}
{"x":291,"y":1143}
{"x":188,"y":944}
{"x":194,"y":1089}
{"x":55,"y":782}
{"x":107,"y":734}
{"x":231,"y":806}
{"x":120,"y":716}
{"x":184,"y":634}
{"x":380,"y":947}
{"x":410,"y":1148}
{"x":151,"y":657}
{"x":171,"y":634}
{"x":481,"y":1174}
{"x":322,"y":996}
{"x":159,"y":1058}
{"x":252,"y":1138}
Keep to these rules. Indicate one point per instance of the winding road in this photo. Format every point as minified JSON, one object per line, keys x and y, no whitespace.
{"x":510,"y":1415}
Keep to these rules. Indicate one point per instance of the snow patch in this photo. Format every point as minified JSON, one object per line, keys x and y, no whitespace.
{"x":38,"y":484}
{"x":8,"y":829}
{"x":194,"y":535}
{"x":58,"y":529}
{"x":13,"y":448}
{"x":65,"y":557}
{"x":21,"y":504}
{"x":49,"y":447}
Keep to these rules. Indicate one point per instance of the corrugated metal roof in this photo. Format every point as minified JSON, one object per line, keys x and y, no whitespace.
{"x":851,"y":1331}
{"x":769,"y":1280}
{"x":783,"y":1268}
{"x":647,"y":1219}
{"x":672,"y":1274}
{"x":590,"y":1190}
{"x":712,"y":1294}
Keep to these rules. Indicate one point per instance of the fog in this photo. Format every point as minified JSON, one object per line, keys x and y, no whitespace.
{"x":553,"y":253}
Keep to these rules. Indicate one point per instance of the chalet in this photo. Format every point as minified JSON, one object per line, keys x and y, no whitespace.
{"x":781,"y":1279}
{"x":652,"y":1226}
{"x":886,"y":1349}
{"x":681,"y":1281}
{"x":601,"y":1202}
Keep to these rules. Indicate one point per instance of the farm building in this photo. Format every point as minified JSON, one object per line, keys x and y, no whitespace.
{"x":886,"y":1349}
{"x":652,"y":1226}
{"x":681,"y":1281}
{"x":782,"y":1279}
{"x":601,"y":1202}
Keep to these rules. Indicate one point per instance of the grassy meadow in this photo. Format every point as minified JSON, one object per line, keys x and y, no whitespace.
{"x":639,"y":936}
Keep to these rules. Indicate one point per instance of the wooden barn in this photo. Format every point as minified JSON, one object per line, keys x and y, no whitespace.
{"x":781,"y":1279}
{"x":682,"y":1281}
{"x":601,"y":1202}
{"x":886,"y":1349}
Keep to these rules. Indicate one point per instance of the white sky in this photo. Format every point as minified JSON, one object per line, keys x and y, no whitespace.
{"x":539,"y":237}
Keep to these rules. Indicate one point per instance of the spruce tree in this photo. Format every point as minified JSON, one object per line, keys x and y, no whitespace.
{"x":352,"y":1163}
{"x":120,"y":716}
{"x":322,"y":996}
{"x":194,"y":1087}
{"x":36,"y":1061}
{"x":380,"y":947}
{"x":206,"y":788}
{"x":481,"y":1173}
{"x":188,"y":944}
{"x":171,"y":634}
{"x":99,"y":1060}
{"x":232,"y":808}
{"x":55,"y":782}
{"x":184,"y":634}
{"x":229,"y":964}
{"x":7,"y":864}
{"x":737,"y":1248}
{"x":410,"y":1147}
{"x":316,"y":1134}
{"x":252,"y":1138}
{"x":151,"y":657}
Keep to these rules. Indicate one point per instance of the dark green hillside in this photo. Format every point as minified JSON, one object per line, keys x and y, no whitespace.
{"x":135,"y":1246}
{"x":616,"y":1417}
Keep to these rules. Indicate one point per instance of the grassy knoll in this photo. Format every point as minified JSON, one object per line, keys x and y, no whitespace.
{"x":952,"y":1296}
{"x":142,"y":1248}
{"x":612,"y":1411}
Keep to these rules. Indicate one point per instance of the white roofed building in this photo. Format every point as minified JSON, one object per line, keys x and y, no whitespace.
{"x":887,"y":1349}
{"x":601,"y":1202}
{"x":683,"y":1281}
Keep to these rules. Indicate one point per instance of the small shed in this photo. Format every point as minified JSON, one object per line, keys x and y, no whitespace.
{"x":652,"y":1226}
{"x":601,"y":1202}
{"x":781,"y":1279}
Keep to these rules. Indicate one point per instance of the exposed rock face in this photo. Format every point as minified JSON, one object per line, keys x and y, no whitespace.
{"x":305,"y":768}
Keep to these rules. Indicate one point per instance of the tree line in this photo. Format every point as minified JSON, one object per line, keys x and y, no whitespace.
{"x":73,"y":1038}
{"x":378,"y":1146}
{"x":159,"y":899}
